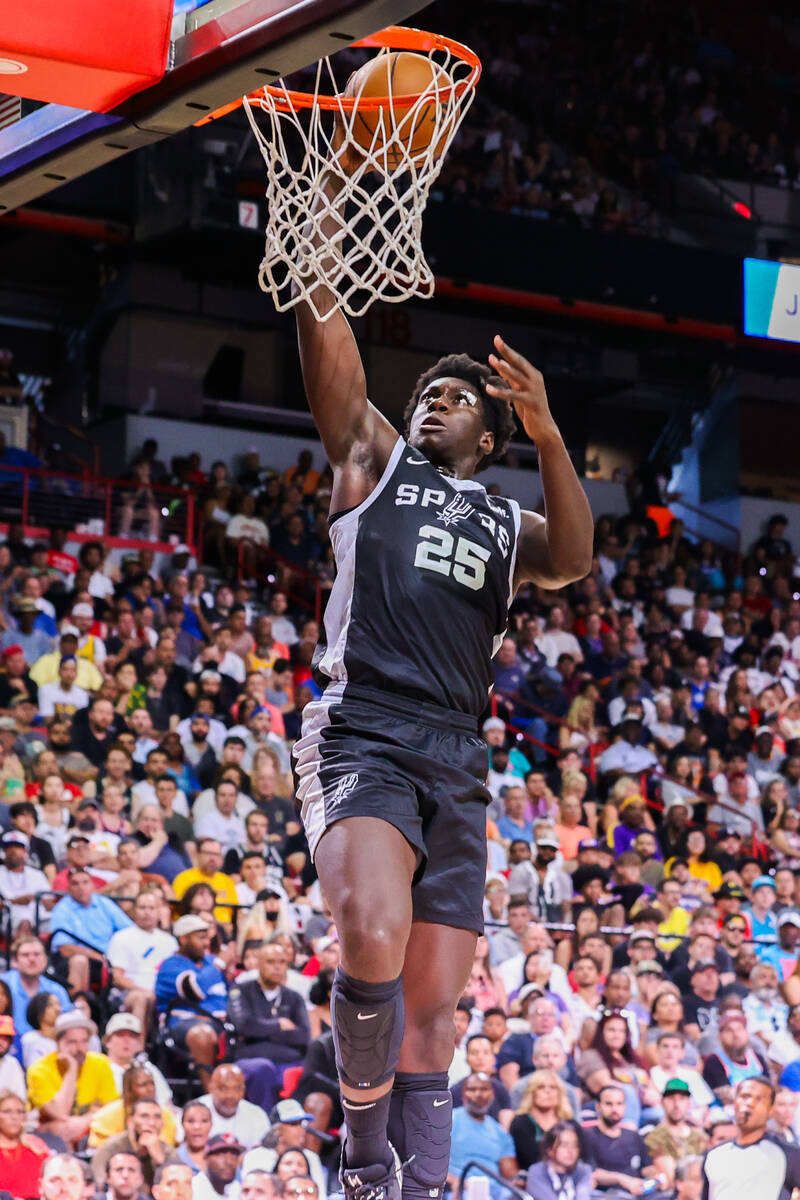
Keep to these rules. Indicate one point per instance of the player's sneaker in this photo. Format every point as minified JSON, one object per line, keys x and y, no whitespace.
{"x":372,"y":1183}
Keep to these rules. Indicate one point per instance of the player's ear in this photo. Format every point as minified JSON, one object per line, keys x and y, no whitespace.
{"x":486,"y":442}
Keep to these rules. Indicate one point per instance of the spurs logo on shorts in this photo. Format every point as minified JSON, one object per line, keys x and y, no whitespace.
{"x":342,"y":790}
{"x":457,"y":510}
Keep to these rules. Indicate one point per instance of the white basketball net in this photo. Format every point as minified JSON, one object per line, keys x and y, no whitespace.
{"x":365,"y":243}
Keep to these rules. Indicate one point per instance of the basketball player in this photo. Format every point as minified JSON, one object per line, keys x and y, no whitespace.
{"x":390,"y":768}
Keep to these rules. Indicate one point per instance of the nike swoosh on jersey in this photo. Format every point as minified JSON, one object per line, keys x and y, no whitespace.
{"x":365,"y":1016}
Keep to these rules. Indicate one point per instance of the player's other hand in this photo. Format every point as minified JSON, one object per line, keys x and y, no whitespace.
{"x":346,"y":153}
{"x":528,"y":394}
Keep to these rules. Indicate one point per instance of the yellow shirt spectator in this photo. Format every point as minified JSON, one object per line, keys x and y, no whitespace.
{"x":45,"y":670}
{"x":222,"y":886}
{"x":709,"y":872}
{"x":95,"y":1084}
{"x":111,"y":1120}
{"x":672,"y":930}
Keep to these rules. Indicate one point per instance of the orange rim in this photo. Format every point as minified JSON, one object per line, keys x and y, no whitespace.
{"x":394,"y":37}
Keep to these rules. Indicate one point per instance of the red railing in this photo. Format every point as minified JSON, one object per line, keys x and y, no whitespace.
{"x":299,"y":585}
{"x":90,"y":506}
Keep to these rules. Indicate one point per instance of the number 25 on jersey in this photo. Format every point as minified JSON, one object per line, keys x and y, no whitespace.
{"x":441,"y":552}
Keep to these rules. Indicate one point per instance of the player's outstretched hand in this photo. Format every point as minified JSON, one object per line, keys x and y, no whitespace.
{"x":528,"y":394}
{"x":346,"y":154}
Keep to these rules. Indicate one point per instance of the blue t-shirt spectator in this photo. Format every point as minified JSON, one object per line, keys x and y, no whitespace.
{"x":21,"y":999}
{"x":514,"y":831}
{"x":185,"y":988}
{"x":81,"y":924}
{"x":479,"y":1140}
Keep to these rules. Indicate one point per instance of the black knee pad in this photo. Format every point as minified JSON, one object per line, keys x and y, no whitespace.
{"x":421,"y":1117}
{"x":368,"y":1024}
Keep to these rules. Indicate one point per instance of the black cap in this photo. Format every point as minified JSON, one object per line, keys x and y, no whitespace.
{"x":269,"y":894}
{"x":705,"y":964}
{"x":729,"y":891}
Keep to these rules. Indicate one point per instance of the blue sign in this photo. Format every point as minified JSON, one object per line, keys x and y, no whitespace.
{"x":772,"y":300}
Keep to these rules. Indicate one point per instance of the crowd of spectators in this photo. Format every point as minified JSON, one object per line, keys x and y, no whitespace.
{"x":588,"y":112}
{"x":165,"y":1012}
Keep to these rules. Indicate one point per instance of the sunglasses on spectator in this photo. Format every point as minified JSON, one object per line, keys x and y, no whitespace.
{"x":617,"y":1012}
{"x":736,"y":928}
{"x":300,"y":1191}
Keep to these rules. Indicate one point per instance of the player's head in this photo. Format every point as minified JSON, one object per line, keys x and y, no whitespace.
{"x":473,"y":423}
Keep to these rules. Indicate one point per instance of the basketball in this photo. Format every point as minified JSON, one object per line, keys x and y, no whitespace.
{"x":403,"y":76}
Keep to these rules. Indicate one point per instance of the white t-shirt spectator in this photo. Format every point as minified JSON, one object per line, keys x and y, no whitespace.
{"x":251,"y":528}
{"x":203,"y":1189}
{"x":783,"y":1049}
{"x":217,"y":732}
{"x":272,"y":740}
{"x":107,"y":843}
{"x":787,"y":645}
{"x":228,"y":831}
{"x":53,"y":699}
{"x":100,"y":586}
{"x":495,"y":782}
{"x":142,"y":747}
{"x":742,"y":819}
{"x":670,"y":735}
{"x":55,"y":835}
{"x":679,"y":597}
{"x":144,"y":792}
{"x":712,"y":626}
{"x":35,"y":1046}
{"x":701,"y":1093}
{"x":139,"y":954}
{"x":249,"y":1123}
{"x":558,"y":641}
{"x":283,"y":630}
{"x":624,"y":757}
{"x":230,"y":664}
{"x":12,"y":1077}
{"x":27,"y":882}
{"x":205,"y":803}
{"x":511,"y":970}
{"x":618,"y":705}
{"x":720,"y":785}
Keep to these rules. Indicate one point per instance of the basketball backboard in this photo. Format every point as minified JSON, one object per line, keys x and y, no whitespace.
{"x":220,"y":49}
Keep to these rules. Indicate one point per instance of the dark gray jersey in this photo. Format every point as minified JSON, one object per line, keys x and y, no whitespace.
{"x":425,"y":569}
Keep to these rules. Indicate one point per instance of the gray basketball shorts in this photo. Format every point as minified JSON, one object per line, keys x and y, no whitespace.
{"x":366,"y":753}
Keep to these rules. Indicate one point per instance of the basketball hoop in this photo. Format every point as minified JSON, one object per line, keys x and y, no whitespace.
{"x":363,"y":239}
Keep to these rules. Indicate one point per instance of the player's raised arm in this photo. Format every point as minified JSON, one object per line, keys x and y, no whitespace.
{"x":352,"y":430}
{"x":556,"y":550}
